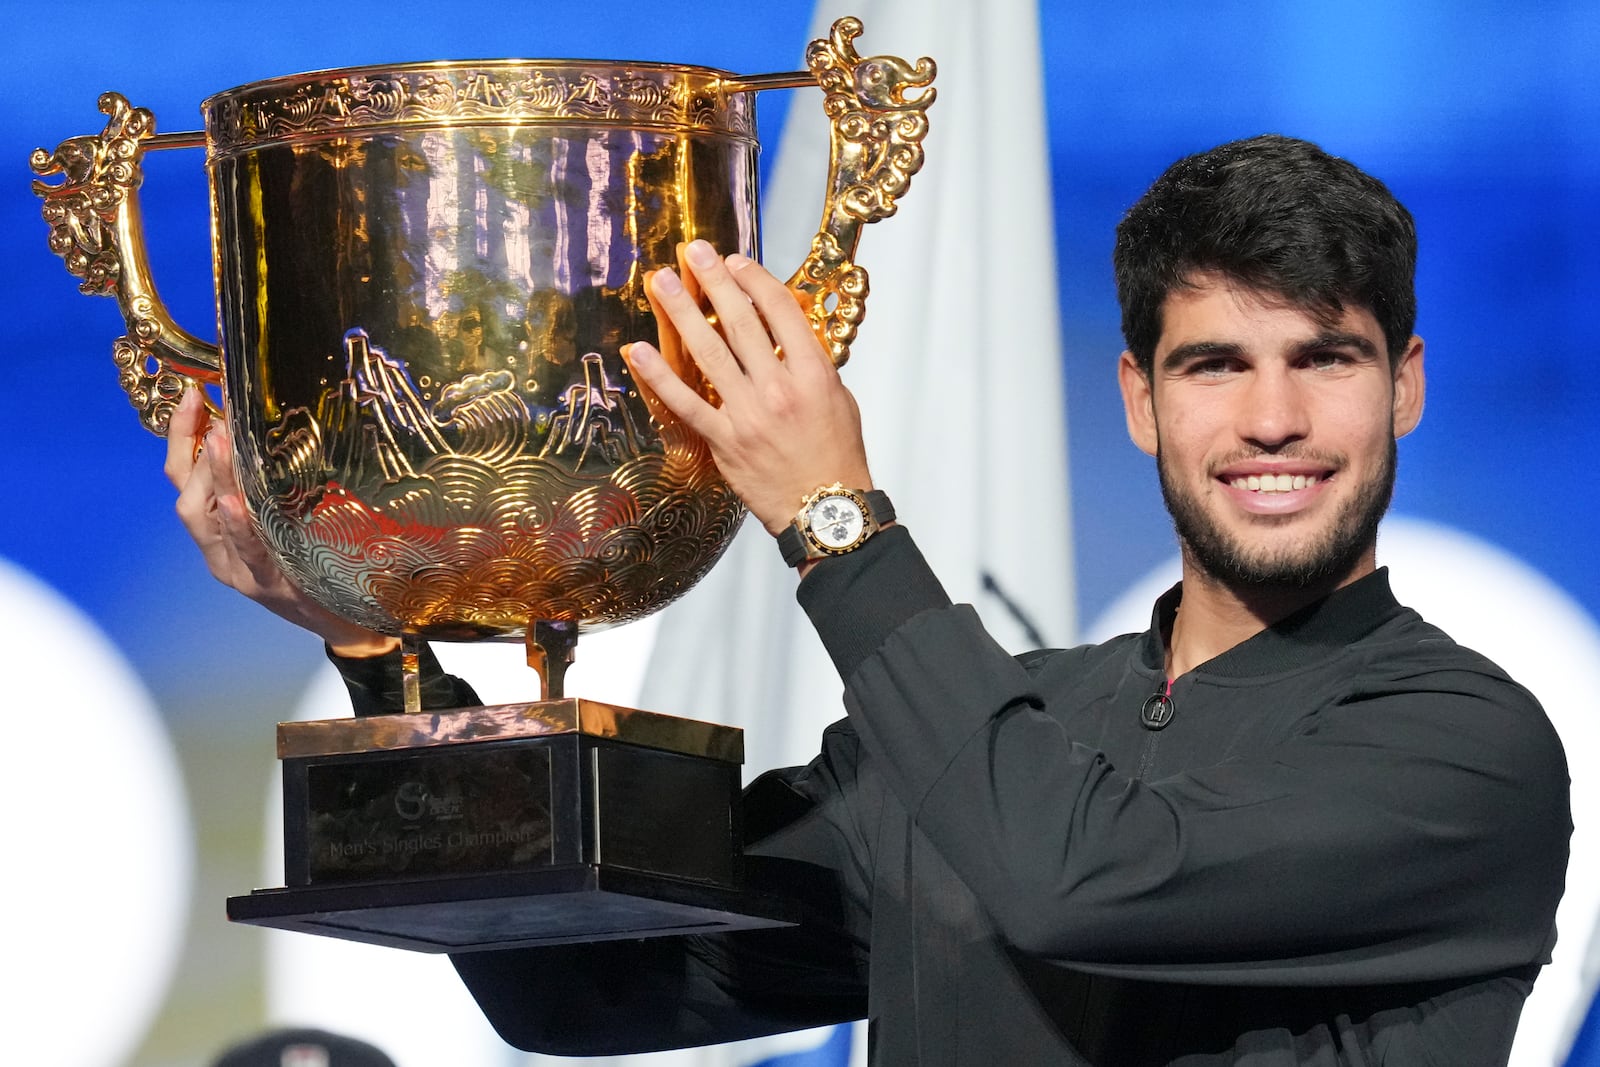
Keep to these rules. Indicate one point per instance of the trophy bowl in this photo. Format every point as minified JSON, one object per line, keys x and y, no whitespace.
{"x":425,"y":274}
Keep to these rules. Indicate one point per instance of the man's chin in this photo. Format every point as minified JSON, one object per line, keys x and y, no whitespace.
{"x":1307,"y":550}
{"x":1286,"y":571}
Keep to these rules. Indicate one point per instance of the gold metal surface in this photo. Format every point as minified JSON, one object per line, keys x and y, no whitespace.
{"x":879,"y":109}
{"x":95,"y":228}
{"x":505,"y":722}
{"x":425,"y":274}
{"x":660,"y":97}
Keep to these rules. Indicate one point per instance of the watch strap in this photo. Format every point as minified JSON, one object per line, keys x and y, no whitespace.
{"x":792,"y":545}
{"x":878,"y":508}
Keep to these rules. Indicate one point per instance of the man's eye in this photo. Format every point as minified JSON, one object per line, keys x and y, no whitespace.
{"x":1211,"y":368}
{"x":1326,"y":360}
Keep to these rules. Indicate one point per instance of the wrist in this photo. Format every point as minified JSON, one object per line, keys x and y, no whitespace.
{"x":349,"y":641}
{"x":344,"y":638}
{"x":363,"y":645}
{"x":833,"y":520}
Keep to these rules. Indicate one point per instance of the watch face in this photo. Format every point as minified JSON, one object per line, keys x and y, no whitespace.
{"x":836,"y":522}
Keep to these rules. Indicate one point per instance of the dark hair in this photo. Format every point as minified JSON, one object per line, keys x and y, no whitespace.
{"x":1275,"y":214}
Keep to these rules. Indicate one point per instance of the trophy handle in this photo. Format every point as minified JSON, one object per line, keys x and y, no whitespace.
{"x":878,"y":123}
{"x":95,"y":227}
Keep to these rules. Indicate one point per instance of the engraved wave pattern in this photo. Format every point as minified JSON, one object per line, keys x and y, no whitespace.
{"x":493,"y":428}
{"x":472,"y":548}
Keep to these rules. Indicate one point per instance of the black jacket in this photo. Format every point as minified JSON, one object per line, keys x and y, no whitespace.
{"x":1345,"y":847}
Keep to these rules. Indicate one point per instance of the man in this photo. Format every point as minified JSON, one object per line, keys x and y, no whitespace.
{"x":1292,"y":823}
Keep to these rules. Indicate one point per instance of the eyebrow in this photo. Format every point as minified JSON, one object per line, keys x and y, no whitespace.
{"x":1195,"y":350}
{"x":1338,"y":339}
{"x":1201,"y":350}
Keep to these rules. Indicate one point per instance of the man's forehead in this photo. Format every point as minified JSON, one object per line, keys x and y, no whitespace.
{"x":1213,"y":306}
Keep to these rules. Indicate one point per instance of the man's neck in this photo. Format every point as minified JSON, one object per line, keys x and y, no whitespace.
{"x":1214,"y":615}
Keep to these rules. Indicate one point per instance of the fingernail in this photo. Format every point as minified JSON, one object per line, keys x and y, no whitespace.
{"x":701,"y":254}
{"x":738,"y":262}
{"x":639,"y":354}
{"x":666,"y":281}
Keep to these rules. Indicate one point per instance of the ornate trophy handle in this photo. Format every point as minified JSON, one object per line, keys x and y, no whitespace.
{"x":95,"y":228}
{"x":879,"y":121}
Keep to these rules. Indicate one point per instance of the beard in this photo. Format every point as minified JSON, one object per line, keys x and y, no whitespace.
{"x":1326,"y":556}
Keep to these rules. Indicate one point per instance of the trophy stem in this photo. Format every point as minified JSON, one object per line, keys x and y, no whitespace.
{"x":550,"y":649}
{"x":411,"y":672}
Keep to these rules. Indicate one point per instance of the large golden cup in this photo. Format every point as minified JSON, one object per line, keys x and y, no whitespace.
{"x":424,"y":275}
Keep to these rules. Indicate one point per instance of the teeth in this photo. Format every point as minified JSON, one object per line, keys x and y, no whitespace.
{"x":1274,"y":483}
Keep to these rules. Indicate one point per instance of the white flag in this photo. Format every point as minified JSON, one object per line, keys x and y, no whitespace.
{"x":957,"y":371}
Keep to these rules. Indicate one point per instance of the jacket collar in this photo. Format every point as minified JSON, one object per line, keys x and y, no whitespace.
{"x":1307,"y":637}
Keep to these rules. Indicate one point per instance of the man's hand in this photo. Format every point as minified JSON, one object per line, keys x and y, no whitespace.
{"x":200,"y":465}
{"x":786,"y":424}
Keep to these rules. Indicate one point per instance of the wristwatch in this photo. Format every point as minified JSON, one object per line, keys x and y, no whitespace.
{"x":834,"y":520}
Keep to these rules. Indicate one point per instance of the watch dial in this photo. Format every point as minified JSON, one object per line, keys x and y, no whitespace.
{"x":836,"y":522}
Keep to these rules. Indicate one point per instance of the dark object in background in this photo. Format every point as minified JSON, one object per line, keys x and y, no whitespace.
{"x":303,"y":1048}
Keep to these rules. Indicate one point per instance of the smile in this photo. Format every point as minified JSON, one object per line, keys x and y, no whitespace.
{"x":1274,"y":483}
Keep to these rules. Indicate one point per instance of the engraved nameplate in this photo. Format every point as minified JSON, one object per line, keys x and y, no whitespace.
{"x":452,"y":812}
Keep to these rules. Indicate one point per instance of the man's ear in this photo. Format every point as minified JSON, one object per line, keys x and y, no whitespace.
{"x":1138,"y":403}
{"x":1409,"y":387}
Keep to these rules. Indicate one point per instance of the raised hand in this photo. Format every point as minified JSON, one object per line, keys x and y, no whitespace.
{"x":786,"y":424}
{"x":200,"y":465}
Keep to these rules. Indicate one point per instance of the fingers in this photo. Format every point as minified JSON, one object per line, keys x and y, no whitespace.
{"x":184,"y":432}
{"x":247,"y":554}
{"x":688,"y":319}
{"x":212,"y":508}
{"x":758,"y":315}
{"x":784,"y":317}
{"x":213,"y":512}
{"x":651,"y":368}
{"x":743,"y":330}
{"x":197,"y":508}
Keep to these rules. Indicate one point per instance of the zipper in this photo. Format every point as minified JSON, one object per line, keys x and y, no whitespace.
{"x":1156,"y":712}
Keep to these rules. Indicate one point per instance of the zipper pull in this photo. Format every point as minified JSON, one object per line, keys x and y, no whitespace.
{"x":1157,"y":710}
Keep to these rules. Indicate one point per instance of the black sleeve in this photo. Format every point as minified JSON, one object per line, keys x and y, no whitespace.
{"x":1415,"y":831}
{"x":672,"y":992}
{"x":374,"y":683}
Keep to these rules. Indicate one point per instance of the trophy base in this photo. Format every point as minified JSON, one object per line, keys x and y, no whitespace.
{"x":523,"y":824}
{"x":469,"y":913}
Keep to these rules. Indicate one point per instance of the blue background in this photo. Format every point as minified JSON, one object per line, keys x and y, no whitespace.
{"x":1484,"y":118}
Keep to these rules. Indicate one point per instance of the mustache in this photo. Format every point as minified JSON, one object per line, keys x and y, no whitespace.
{"x":1334,"y":461}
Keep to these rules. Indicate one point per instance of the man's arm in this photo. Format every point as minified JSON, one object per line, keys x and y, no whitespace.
{"x":1413,"y":829}
{"x":1431,"y":847}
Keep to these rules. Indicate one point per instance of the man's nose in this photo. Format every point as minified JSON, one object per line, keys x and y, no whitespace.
{"x":1275,"y":411}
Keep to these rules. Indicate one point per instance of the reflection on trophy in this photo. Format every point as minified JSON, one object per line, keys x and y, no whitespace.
{"x":425,"y":274}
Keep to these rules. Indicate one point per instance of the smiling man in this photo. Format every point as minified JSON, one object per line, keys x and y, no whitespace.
{"x":1274,"y":438}
{"x":1291,"y":823}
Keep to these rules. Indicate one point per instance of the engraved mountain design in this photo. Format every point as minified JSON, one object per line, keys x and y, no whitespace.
{"x":460,"y":522}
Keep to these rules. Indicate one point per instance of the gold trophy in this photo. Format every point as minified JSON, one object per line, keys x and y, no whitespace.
{"x":424,"y":275}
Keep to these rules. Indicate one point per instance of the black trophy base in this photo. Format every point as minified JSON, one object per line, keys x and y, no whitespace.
{"x":525,"y":824}
{"x":520,"y":909}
